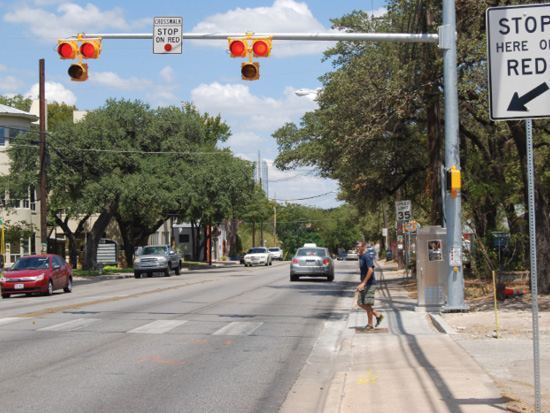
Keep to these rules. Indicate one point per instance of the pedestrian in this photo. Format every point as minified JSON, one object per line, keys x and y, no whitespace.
{"x":367,"y":287}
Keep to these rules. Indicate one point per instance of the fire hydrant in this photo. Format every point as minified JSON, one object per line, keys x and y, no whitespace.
{"x":100,"y":268}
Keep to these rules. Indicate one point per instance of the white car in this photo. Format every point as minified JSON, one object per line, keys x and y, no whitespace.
{"x":276,"y":253}
{"x":258,"y":256}
{"x":352,"y":255}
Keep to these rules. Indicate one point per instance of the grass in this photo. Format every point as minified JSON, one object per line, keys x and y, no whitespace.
{"x":111,"y":269}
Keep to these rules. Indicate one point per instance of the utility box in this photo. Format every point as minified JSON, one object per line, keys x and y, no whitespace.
{"x":431,"y":266}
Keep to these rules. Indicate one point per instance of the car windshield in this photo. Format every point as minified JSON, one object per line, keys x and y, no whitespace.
{"x":275,"y":249}
{"x":153,"y":250}
{"x":318,"y":252}
{"x":257,"y":251}
{"x":31,"y":263}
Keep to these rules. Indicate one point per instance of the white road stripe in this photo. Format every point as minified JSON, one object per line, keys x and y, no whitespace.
{"x":238,"y":328}
{"x":158,"y":327}
{"x":72,"y":325}
{"x":9,"y":320}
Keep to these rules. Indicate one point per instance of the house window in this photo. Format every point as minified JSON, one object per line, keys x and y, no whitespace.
{"x":166,"y":237}
{"x":2,"y":136}
{"x":155,"y":238}
{"x":12,"y":133}
{"x":33,"y":199}
{"x":184,"y":238}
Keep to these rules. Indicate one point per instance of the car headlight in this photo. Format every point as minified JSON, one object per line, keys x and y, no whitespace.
{"x":37,"y":278}
{"x":2,"y":279}
{"x":162,"y":259}
{"x":137,"y":260}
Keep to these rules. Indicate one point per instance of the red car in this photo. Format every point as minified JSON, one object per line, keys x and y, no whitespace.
{"x":37,"y":274}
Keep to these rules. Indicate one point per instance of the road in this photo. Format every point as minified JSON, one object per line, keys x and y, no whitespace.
{"x":230,"y":339}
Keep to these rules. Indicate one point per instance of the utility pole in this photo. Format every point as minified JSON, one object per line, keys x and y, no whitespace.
{"x":43,"y":176}
{"x":275,"y":222}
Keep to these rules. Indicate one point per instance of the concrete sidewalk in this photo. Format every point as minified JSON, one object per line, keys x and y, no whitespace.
{"x":405,"y":365}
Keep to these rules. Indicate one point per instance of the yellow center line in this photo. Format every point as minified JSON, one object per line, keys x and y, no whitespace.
{"x":106,"y":300}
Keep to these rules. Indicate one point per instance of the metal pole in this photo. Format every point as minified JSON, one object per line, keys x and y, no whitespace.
{"x":43,"y":176}
{"x":330,"y":37}
{"x":448,"y":40}
{"x":533,"y":246}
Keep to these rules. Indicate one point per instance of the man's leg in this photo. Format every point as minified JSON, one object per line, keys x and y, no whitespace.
{"x":369,"y":310}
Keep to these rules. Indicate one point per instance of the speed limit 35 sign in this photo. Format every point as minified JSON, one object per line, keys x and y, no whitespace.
{"x":403,"y":210}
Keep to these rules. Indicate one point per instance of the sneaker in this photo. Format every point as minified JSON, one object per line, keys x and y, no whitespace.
{"x":368,"y":328}
{"x":379,"y":320}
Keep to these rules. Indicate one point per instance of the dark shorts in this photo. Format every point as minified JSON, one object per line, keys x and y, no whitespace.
{"x":366,"y":297}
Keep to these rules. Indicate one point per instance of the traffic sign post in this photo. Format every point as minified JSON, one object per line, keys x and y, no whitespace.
{"x":167,"y":32}
{"x":518,"y":51}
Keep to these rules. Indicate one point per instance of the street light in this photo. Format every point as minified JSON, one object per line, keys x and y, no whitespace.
{"x":307,"y":92}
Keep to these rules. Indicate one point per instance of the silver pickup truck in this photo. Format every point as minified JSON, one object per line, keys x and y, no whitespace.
{"x":157,"y":258}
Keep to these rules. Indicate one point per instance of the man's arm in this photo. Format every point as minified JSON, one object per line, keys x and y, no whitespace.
{"x":369,"y":274}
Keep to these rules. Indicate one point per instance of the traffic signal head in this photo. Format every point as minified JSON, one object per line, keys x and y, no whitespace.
{"x":90,"y":49}
{"x":261,"y":47}
{"x":78,"y":72}
{"x":67,"y":49}
{"x":250,"y":71}
{"x":238,"y":47}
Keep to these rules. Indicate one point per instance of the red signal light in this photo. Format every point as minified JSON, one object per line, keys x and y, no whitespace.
{"x":238,"y":48}
{"x":67,"y":49}
{"x":90,"y":49}
{"x":261,"y":47}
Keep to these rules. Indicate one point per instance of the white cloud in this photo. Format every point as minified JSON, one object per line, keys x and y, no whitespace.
{"x":69,"y":19}
{"x":167,"y":74}
{"x":246,"y":139}
{"x":248,"y":111}
{"x":55,"y":92}
{"x":163,"y":94}
{"x":284,"y":16}
{"x":10,"y":84}
{"x":114,"y":81}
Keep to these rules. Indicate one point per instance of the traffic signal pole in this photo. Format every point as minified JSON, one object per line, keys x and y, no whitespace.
{"x":447,"y":41}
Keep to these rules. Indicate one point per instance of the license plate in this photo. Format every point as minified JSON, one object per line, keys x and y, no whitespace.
{"x":19,"y":286}
{"x":310,"y":262}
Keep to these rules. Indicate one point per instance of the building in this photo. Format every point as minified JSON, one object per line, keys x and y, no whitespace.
{"x":26,"y":211}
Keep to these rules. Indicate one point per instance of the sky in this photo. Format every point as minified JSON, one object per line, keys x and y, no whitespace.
{"x":203,"y":73}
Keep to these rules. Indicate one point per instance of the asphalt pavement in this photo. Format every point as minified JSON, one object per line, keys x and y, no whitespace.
{"x":410,"y":363}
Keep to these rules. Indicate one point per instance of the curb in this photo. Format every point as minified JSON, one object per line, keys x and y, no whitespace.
{"x":440,"y":324}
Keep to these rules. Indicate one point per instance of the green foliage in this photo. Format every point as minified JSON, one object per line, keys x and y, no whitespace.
{"x":59,"y":113}
{"x":17,"y":102}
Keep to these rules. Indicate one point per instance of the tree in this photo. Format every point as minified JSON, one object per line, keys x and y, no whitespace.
{"x":17,"y":102}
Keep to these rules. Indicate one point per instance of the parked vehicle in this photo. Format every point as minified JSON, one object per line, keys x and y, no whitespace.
{"x":276,"y":253}
{"x":157,"y":258}
{"x":312,"y":262}
{"x":258,"y":255}
{"x":341,"y":256}
{"x":352,"y":255}
{"x":371,"y":251}
{"x":43,"y":274}
{"x":241,"y":257}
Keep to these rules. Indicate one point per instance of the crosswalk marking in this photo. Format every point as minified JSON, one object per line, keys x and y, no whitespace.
{"x":72,"y":325}
{"x":9,"y":320}
{"x":238,"y":328}
{"x":158,"y":327}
